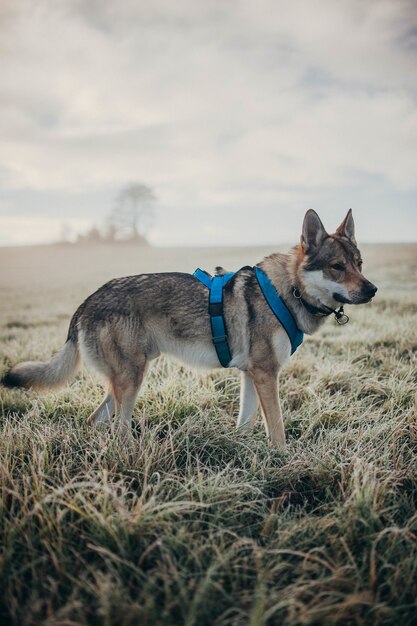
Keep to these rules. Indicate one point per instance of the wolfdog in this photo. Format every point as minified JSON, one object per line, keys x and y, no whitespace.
{"x":129,"y":321}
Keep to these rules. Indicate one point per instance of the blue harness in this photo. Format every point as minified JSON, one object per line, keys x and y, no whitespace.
{"x":218,"y":325}
{"x":278,"y":307}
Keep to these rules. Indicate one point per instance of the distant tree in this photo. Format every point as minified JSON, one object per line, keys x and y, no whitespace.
{"x":133,"y":214}
{"x":66,"y":233}
{"x":93,"y":235}
{"x":109,"y":232}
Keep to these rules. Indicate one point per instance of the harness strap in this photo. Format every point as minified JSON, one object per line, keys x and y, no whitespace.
{"x":218,"y":326}
{"x":203,"y":277}
{"x":279,"y":309}
{"x":215,"y":284}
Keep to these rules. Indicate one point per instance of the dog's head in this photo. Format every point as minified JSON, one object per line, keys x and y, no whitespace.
{"x":331,"y":265}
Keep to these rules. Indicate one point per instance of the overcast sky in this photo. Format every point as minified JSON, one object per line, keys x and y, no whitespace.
{"x":240,"y":115}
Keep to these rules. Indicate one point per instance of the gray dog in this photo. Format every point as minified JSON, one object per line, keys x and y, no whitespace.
{"x":129,"y":321}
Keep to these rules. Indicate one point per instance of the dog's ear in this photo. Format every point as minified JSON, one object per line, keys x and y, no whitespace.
{"x":347,"y":227}
{"x":313,"y":233}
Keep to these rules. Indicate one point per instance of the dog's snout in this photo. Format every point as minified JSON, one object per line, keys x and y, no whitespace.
{"x":370,"y":289}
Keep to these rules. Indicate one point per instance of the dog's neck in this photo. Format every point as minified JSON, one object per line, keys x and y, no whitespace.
{"x":282,"y":271}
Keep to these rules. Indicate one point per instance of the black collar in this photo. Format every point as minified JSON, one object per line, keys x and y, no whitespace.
{"x":339,"y":314}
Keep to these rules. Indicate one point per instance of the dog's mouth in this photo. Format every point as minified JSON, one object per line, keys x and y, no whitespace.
{"x":356,"y":300}
{"x":339,"y":298}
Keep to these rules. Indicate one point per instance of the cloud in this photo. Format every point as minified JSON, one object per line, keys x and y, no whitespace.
{"x":218,"y":106}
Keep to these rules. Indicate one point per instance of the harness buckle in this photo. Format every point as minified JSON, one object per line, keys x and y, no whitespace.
{"x":216,"y":308}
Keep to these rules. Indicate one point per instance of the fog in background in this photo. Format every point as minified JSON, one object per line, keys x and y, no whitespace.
{"x":239,"y":115}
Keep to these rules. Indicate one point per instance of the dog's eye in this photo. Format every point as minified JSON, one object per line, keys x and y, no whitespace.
{"x":338,"y":266}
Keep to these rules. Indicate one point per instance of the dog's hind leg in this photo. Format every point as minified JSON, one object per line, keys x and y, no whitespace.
{"x":266,"y":385}
{"x":104,"y":413}
{"x":125,"y":388}
{"x":248,"y":403}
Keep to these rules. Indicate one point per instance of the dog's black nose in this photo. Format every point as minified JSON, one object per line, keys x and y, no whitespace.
{"x":371,"y":290}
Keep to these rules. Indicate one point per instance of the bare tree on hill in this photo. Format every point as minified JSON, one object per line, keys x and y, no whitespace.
{"x":133,"y":214}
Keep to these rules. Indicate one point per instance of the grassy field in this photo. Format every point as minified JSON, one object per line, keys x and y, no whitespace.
{"x":191,"y":523}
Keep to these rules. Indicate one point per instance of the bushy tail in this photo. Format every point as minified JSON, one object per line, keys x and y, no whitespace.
{"x":45,"y":375}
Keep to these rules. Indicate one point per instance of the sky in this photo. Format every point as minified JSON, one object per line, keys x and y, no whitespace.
{"x":239,"y":114}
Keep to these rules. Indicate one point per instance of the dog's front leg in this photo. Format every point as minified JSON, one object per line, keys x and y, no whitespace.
{"x":248,"y":403}
{"x":104,"y":413}
{"x":266,"y":385}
